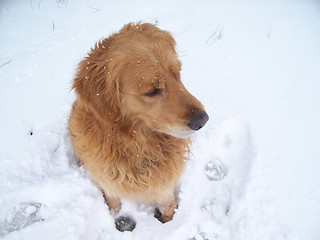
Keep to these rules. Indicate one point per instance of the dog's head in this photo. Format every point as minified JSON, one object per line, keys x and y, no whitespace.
{"x":134,"y":77}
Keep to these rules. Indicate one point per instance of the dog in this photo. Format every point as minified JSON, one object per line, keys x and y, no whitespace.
{"x":132,"y":116}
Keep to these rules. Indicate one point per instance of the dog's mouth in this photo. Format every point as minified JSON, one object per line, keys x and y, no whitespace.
{"x":182,"y":134}
{"x":176,"y":131}
{"x":182,"y":129}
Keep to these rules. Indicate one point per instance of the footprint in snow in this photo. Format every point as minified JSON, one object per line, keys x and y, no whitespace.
{"x":215,"y":170}
{"x":20,"y":217}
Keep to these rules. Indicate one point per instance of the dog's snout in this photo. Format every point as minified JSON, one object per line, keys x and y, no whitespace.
{"x":198,"y":121}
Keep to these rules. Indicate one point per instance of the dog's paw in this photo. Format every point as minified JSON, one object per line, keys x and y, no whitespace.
{"x":125,"y":224}
{"x":215,"y":170}
{"x":158,"y":215}
{"x":161,"y":217}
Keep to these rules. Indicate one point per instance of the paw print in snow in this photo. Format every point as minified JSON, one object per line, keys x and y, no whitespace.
{"x":20,"y":217}
{"x":215,"y":171}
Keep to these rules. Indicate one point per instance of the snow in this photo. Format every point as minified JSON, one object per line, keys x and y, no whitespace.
{"x":254,"y":173}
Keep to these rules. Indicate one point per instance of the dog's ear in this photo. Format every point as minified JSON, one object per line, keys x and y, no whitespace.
{"x":95,"y":85}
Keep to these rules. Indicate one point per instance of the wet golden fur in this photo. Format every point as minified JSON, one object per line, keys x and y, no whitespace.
{"x":127,"y":123}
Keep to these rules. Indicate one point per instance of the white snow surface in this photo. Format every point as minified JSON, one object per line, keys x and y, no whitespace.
{"x":254,"y":172}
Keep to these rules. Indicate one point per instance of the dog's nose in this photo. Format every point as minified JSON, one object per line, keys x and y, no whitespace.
{"x":198,"y":121}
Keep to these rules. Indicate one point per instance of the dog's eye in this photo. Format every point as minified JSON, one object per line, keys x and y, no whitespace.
{"x":153,"y":93}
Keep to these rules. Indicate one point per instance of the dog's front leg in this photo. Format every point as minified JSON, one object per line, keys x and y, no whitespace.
{"x":113,"y":203}
{"x":123,"y":223}
{"x":167,"y":210}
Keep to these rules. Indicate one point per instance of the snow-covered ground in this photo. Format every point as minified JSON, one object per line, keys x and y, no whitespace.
{"x":255,"y":65}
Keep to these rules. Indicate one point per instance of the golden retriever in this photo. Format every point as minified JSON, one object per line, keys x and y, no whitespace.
{"x":132,"y":115}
